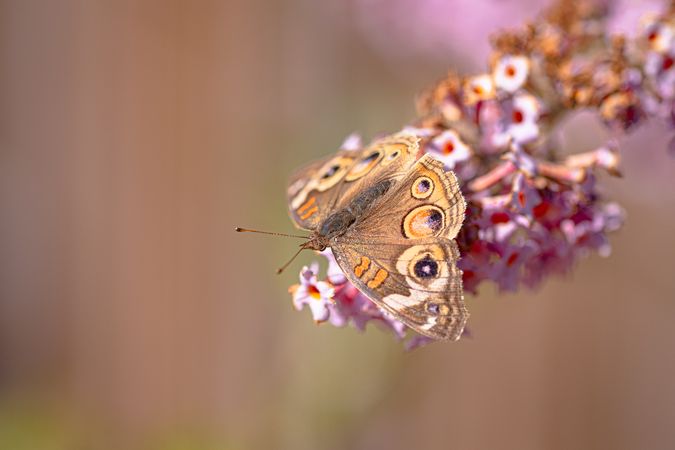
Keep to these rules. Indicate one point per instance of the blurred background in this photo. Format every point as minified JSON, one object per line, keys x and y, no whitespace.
{"x":135,"y":135}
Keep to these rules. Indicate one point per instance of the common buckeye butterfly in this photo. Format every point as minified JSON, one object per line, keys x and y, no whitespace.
{"x":390,"y":219}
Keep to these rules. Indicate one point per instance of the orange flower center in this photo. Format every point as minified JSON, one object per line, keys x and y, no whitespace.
{"x":517,"y":116}
{"x":449,"y":147}
{"x":313,"y":292}
{"x":510,"y":71}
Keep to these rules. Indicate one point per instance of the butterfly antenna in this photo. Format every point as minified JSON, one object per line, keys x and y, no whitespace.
{"x":282,"y":268}
{"x":246,"y":230}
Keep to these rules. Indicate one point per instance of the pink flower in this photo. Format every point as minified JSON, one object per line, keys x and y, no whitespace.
{"x":524,"y":195}
{"x":479,"y":88}
{"x":449,"y":148}
{"x":352,"y":142}
{"x":338,"y":301}
{"x":521,"y":116}
{"x":315,"y":294}
{"x":511,"y":72}
{"x":660,"y":67}
{"x":333,"y":273}
{"x":660,"y":36}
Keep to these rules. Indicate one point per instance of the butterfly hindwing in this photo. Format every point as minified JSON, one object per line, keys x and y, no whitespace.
{"x":418,"y":284}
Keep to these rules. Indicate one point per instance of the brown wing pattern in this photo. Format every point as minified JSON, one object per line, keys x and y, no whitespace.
{"x":419,"y":284}
{"x":323,"y":187}
{"x":402,"y":256}
{"x":387,"y":158}
{"x":427,"y":202}
{"x":309,"y":193}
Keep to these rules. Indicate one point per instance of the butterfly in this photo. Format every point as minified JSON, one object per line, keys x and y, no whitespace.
{"x":390,"y":219}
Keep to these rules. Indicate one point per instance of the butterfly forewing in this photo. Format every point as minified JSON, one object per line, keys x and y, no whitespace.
{"x":325,"y":186}
{"x":389,"y":158}
{"x":426,"y":203}
{"x":311,"y":188}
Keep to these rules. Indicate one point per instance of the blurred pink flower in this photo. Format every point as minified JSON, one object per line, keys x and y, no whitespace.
{"x":337,"y":301}
{"x":511,"y":72}
{"x":318,"y":295}
{"x":449,"y":148}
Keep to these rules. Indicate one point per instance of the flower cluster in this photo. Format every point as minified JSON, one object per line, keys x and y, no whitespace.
{"x":337,"y":301}
{"x":532,"y":211}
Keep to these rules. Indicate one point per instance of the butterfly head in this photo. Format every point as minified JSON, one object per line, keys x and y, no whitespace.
{"x":314,"y":242}
{"x":317,"y":242}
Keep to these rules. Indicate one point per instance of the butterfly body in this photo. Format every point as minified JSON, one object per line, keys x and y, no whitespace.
{"x":390,"y":220}
{"x":339,"y":222}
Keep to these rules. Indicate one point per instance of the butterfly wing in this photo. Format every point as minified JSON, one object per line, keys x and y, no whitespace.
{"x":402,"y":255}
{"x":388,"y":158}
{"x":420,"y":284}
{"x":322,"y":187}
{"x":309,"y":188}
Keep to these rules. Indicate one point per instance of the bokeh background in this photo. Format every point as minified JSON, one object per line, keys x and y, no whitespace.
{"x":135,"y":135}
